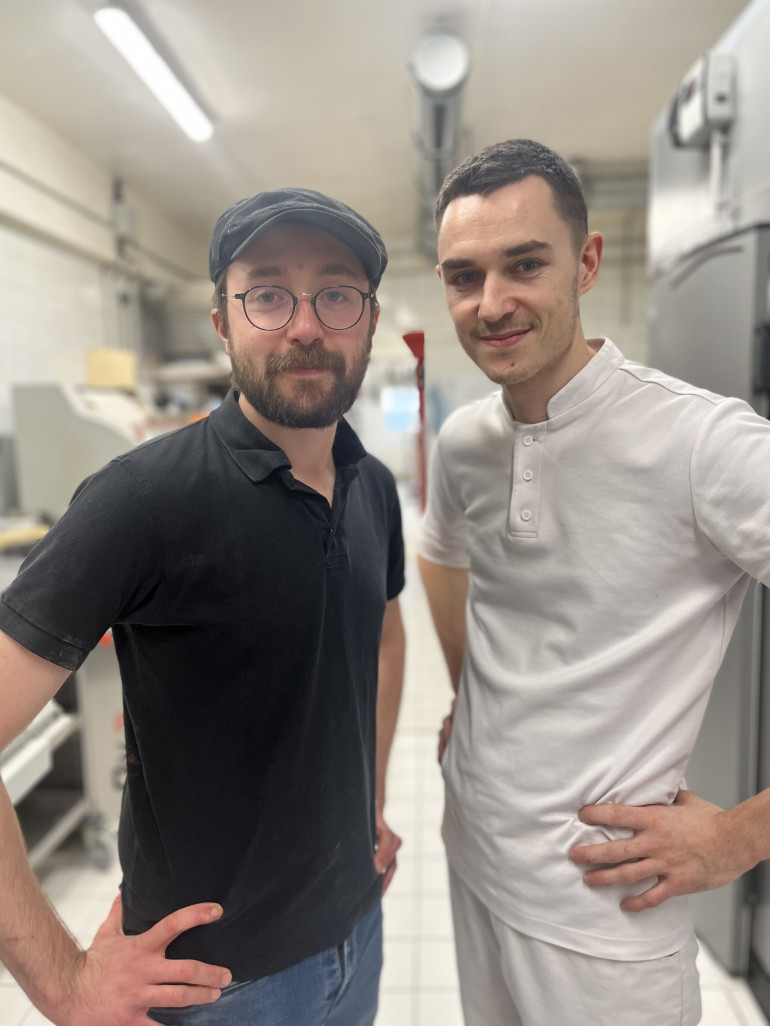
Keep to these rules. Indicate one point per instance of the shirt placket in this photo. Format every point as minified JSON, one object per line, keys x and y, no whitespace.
{"x":524,"y":503}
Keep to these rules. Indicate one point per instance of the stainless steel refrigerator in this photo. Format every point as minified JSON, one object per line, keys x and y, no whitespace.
{"x":709,"y":320}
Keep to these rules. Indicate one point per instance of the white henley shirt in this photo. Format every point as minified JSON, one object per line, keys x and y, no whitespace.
{"x":609,"y":548}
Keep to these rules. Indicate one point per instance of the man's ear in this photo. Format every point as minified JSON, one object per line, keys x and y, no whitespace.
{"x":217,"y":322}
{"x":589,"y":261}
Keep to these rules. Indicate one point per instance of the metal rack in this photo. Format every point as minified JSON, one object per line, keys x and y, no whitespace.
{"x":64,"y":772}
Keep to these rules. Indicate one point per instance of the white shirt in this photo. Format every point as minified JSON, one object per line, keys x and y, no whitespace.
{"x":610,"y":549}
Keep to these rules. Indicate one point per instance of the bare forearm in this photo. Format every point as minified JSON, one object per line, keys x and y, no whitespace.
{"x":447,"y":591}
{"x":389,"y":688}
{"x":34,"y":946}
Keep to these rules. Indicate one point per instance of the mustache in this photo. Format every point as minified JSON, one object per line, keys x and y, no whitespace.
{"x":500,"y":327}
{"x":312,"y":357}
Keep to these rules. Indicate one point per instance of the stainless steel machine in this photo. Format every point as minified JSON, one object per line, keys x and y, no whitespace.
{"x":709,"y":270}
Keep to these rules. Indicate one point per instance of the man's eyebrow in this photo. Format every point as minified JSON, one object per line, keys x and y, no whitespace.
{"x":273,"y":271}
{"x":530,"y":246}
{"x":456,"y":265}
{"x":345,"y":270}
{"x":527,"y":247}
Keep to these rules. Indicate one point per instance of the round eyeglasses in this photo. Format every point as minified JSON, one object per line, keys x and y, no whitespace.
{"x":270,"y":307}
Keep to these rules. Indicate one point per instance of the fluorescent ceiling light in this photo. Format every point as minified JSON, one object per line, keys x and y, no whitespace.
{"x":131,"y":42}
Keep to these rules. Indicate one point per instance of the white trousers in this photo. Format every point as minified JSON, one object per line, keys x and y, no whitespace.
{"x":510,"y":979}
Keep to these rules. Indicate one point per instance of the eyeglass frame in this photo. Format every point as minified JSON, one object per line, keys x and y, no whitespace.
{"x":295,"y":299}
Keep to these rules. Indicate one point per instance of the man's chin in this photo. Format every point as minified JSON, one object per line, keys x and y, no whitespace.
{"x":290,"y":412}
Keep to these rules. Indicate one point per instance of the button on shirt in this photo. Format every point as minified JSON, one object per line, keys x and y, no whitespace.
{"x":609,"y":549}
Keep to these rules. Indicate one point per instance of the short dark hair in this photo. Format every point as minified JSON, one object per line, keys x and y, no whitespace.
{"x":509,"y":162}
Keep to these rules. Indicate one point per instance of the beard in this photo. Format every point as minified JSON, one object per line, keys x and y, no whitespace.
{"x":311,"y":403}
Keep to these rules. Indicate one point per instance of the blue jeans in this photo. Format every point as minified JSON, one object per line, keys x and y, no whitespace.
{"x":339,"y":987}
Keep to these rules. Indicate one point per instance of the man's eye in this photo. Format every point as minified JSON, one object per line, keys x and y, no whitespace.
{"x":335,"y":296}
{"x":264,"y":298}
{"x":464,"y":278}
{"x":528,"y":266}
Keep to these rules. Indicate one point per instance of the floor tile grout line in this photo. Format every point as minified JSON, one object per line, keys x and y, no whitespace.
{"x":734,"y":1007}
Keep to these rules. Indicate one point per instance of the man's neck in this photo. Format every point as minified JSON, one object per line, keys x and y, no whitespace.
{"x":528,"y":400}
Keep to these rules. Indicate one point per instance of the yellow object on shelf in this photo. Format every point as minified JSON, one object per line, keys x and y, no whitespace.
{"x":111,"y":368}
{"x":16,"y":537}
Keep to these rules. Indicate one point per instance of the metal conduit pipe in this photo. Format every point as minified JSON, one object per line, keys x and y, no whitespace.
{"x":439,"y":68}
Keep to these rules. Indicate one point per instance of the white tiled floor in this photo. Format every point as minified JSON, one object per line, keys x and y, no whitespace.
{"x":419,"y":983}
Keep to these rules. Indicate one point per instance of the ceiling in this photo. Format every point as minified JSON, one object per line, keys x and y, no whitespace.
{"x":317,"y":94}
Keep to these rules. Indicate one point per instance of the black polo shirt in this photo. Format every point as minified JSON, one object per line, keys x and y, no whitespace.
{"x":246,"y":615}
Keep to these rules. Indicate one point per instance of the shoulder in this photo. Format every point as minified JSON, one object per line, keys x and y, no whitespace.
{"x":172,"y":463}
{"x":470,"y":425}
{"x":676,"y":415}
{"x":661,"y":387}
{"x":164,"y":450}
{"x":377,"y":482}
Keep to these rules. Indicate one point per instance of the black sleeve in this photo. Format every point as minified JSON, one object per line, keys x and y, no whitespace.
{"x":101,"y":561}
{"x":396,"y":579}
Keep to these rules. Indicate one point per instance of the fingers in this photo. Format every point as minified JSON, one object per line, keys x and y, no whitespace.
{"x":168,"y":929}
{"x":627,"y":873}
{"x":388,"y":844}
{"x":633,"y":817}
{"x":650,"y":898}
{"x":446,"y":731}
{"x":606,"y":852}
{"x":443,"y":737}
{"x":196,"y":974}
{"x":389,"y":874}
{"x":179,"y":996}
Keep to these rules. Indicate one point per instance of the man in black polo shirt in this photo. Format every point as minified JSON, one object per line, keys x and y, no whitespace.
{"x":249,"y":566}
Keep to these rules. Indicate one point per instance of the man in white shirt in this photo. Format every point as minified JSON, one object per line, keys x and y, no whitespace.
{"x":592,"y":528}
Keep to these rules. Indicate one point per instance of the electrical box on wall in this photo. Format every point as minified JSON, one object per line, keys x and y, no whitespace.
{"x":704,"y":101}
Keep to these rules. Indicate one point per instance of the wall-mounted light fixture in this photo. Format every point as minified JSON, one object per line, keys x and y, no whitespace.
{"x":439,"y":66}
{"x":126,"y":36}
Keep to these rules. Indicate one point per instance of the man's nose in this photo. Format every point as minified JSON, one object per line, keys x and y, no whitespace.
{"x":304,"y":327}
{"x":498,"y":299}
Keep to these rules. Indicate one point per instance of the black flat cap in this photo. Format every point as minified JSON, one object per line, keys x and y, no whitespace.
{"x":239,"y":226}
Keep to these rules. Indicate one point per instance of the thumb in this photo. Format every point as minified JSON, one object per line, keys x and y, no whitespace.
{"x":113,"y":924}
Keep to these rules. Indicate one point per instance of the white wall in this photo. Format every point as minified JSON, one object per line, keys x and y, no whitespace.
{"x":48,"y":187}
{"x":64,"y":286}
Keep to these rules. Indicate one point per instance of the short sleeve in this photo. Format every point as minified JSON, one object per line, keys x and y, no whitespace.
{"x":730,"y":481}
{"x":97,"y":563}
{"x":444,"y":526}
